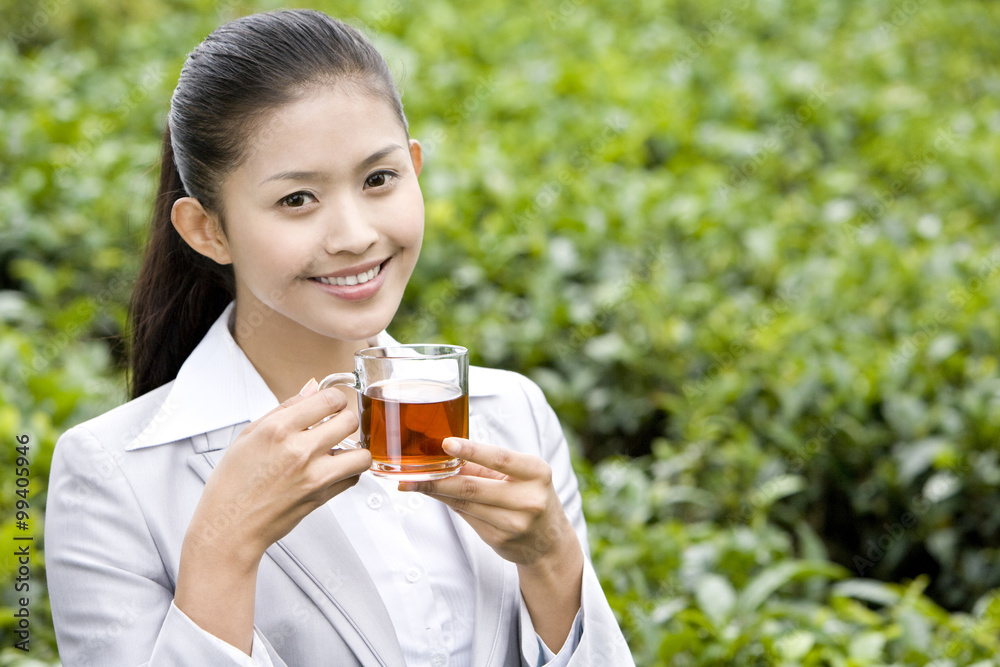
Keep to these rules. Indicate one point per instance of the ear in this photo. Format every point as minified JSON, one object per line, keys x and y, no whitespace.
{"x":200,"y":229}
{"x":416,"y":156}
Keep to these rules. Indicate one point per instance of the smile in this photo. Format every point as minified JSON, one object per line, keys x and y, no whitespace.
{"x":358,"y":279}
{"x":355,"y":284}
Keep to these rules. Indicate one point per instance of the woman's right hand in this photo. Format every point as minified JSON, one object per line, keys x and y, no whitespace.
{"x":276,"y":472}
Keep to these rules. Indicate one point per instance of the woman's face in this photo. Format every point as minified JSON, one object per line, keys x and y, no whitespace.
{"x":324,"y":218}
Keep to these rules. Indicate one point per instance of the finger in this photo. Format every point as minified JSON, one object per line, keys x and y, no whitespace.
{"x":299,"y":414}
{"x":498,"y":518}
{"x":490,"y":533}
{"x":469,"y":490}
{"x":339,"y":487}
{"x":501,"y":459}
{"x":329,"y":433}
{"x":345,"y":465}
{"x":476,"y":470}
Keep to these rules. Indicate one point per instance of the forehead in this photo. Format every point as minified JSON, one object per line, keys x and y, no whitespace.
{"x":330,"y":128}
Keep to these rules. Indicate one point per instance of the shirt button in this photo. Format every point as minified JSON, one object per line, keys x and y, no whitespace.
{"x":375,"y":501}
{"x":438,"y":660}
{"x":413,"y":575}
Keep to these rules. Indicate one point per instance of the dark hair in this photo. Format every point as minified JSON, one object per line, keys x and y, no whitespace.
{"x":243,"y":70}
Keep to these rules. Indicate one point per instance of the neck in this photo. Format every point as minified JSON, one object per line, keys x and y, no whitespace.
{"x":285,"y":353}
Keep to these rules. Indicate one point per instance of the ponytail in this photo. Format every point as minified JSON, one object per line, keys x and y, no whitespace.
{"x":178,"y":295}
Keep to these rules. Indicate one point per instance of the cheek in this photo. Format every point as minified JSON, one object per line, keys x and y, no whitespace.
{"x":263,"y":259}
{"x":412,"y":221}
{"x":415,"y":231}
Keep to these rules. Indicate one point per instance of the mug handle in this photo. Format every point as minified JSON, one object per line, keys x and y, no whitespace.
{"x":349,"y":380}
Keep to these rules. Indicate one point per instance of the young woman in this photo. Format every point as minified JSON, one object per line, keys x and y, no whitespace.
{"x":202,"y":523}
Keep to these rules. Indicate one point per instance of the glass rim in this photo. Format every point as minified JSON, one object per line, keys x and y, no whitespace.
{"x":454,"y":352}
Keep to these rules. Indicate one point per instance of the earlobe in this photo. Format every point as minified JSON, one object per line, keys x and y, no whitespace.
{"x":200,"y":229}
{"x":416,"y":156}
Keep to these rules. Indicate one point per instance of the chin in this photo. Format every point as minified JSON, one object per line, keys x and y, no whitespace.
{"x":360,"y":328}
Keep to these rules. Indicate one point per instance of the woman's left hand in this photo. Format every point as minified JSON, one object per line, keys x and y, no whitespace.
{"x":508,"y":499}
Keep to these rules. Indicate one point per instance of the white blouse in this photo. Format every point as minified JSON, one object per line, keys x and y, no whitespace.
{"x":413,"y":554}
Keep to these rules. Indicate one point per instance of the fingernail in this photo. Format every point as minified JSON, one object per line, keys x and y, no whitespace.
{"x":309,"y":388}
{"x":451,"y":446}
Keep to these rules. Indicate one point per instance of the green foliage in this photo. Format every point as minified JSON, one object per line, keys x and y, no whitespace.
{"x":693,"y":592}
{"x":746,"y":245}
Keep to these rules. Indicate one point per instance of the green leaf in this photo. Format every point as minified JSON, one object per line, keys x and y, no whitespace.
{"x":867,"y":646}
{"x":869,"y":590}
{"x":770,"y":580}
{"x":715,"y":597}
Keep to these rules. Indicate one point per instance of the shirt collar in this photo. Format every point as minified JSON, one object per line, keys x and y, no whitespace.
{"x":216,"y":387}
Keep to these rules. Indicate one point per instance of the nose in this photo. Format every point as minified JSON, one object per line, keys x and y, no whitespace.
{"x":350,"y":229}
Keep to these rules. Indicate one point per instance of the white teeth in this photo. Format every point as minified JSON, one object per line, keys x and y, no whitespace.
{"x":352,"y":280}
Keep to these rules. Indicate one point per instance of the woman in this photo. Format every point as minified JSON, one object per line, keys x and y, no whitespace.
{"x":202,"y":522}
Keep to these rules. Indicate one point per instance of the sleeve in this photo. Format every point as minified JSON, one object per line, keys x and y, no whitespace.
{"x":595,"y":638}
{"x":534,"y":652}
{"x":112,"y":601}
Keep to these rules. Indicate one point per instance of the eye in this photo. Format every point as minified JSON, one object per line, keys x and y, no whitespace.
{"x":296,"y":200}
{"x":379,"y":179}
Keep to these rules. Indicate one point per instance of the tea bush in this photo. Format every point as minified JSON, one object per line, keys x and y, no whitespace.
{"x":747,"y":249}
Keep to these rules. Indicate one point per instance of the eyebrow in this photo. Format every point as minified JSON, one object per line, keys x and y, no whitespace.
{"x":320,"y":175}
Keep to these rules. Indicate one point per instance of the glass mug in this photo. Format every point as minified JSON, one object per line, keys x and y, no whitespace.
{"x":410,"y":398}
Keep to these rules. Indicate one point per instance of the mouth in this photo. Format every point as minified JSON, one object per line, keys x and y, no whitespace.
{"x":354,"y":276}
{"x":356,"y":283}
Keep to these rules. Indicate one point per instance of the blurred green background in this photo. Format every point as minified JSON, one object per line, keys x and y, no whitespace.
{"x":748,"y":249}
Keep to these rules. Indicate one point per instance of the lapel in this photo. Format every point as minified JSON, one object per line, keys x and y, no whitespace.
{"x":318,"y":557}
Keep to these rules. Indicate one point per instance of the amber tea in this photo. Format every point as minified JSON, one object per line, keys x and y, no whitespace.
{"x":410,"y":398}
{"x":403,"y":423}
